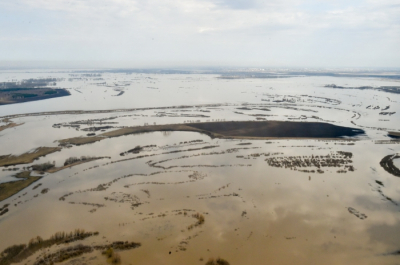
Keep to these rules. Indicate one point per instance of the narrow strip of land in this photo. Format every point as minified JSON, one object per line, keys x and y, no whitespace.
{"x":236,"y":130}
{"x":394,"y":134}
{"x":26,"y":158}
{"x":8,"y":189}
{"x":56,"y":169}
{"x":10,"y":125}
{"x":78,"y":112}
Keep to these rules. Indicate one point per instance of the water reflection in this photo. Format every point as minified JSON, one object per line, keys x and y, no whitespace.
{"x":253,"y":212}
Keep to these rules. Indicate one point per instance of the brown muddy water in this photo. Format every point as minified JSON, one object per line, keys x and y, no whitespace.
{"x":187,"y":198}
{"x":252,"y":211}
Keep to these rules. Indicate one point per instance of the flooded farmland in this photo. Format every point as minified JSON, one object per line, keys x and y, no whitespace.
{"x":181,"y":169}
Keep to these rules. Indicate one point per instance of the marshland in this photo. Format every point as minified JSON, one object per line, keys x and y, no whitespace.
{"x":201,"y":170}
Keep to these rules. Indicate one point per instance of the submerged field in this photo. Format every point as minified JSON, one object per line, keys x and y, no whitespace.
{"x":286,"y":171}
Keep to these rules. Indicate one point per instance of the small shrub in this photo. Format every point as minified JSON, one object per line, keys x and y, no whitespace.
{"x":218,"y":261}
{"x":108,"y":252}
{"x":112,"y":257}
{"x":116,"y":259}
{"x":43,"y":167}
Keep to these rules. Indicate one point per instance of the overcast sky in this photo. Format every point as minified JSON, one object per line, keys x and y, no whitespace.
{"x":143,"y":33}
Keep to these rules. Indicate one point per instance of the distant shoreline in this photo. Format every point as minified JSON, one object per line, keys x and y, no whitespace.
{"x":43,"y":94}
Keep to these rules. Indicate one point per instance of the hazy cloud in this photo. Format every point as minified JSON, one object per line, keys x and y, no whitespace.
{"x":292,"y":32}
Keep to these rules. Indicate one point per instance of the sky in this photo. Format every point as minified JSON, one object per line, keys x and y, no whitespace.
{"x":212,"y":33}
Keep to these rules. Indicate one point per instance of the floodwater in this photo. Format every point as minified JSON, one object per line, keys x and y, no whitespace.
{"x":256,"y":210}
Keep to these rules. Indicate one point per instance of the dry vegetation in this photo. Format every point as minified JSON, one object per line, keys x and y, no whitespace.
{"x":112,"y":257}
{"x":127,"y":131}
{"x":80,"y":249}
{"x":42,"y":167}
{"x":26,"y":158}
{"x":70,"y":162}
{"x":18,"y":253}
{"x":30,"y":90}
{"x":10,"y":125}
{"x":4,"y":209}
{"x":338,"y":159}
{"x":63,"y":255}
{"x":10,"y":188}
